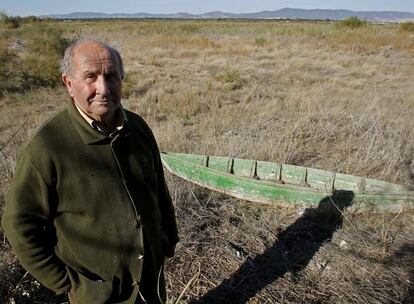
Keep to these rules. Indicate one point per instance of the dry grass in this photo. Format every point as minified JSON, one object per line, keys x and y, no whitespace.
{"x":245,"y":254}
{"x":301,"y":93}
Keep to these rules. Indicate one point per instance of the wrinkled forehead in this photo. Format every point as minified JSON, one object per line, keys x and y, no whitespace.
{"x":88,"y":54}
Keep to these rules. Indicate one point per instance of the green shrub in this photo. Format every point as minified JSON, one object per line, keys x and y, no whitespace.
{"x":30,"y":57}
{"x":229,"y":76}
{"x":16,"y":22}
{"x":9,"y":22}
{"x":351,"y":22}
{"x":407,"y":26}
{"x":45,"y":47}
{"x":260,"y":41}
{"x":232,"y":78}
{"x":31,"y":20}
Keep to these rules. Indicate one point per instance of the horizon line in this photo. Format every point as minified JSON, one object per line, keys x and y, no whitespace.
{"x":183,"y":12}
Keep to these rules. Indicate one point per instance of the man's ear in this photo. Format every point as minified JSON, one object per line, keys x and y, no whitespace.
{"x":68,"y":84}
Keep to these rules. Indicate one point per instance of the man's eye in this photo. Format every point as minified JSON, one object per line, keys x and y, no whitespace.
{"x":112,"y":76}
{"x":90,"y":77}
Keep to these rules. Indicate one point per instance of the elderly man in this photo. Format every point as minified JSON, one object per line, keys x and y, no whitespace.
{"x":88,"y":210}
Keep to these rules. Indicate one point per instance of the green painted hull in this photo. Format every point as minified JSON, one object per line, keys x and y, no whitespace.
{"x":268,"y":182}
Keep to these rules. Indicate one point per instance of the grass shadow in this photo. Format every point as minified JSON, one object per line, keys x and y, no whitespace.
{"x":292,"y":252}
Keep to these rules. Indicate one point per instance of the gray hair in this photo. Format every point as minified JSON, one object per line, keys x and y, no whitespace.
{"x":66,"y":64}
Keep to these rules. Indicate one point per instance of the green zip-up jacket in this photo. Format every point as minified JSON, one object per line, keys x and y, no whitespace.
{"x":81,"y":204}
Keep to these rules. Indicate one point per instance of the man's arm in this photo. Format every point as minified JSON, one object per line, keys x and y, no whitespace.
{"x":28,"y":225}
{"x":168,"y":221}
{"x":165,"y":205}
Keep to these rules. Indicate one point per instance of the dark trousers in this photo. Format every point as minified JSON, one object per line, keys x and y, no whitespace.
{"x":152,"y":286}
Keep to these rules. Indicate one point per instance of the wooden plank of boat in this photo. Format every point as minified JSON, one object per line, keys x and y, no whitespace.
{"x":268,"y":182}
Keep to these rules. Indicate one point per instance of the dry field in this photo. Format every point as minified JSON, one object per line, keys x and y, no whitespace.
{"x":301,"y":93}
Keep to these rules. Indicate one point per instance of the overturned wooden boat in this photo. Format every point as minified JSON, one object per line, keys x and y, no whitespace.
{"x":269,"y":182}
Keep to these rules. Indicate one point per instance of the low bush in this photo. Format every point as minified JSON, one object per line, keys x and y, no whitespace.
{"x":232,"y":79}
{"x":43,"y":54}
{"x":351,"y":22}
{"x":260,"y":41}
{"x":407,"y":26}
{"x":30,"y":51}
{"x":9,"y":22}
{"x":13,"y":22}
{"x":229,"y":76}
{"x":31,"y":20}
{"x":31,"y":58}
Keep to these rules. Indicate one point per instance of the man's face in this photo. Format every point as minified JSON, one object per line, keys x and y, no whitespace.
{"x":96,"y":83}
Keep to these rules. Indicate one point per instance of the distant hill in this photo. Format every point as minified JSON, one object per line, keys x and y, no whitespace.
{"x":285,"y":13}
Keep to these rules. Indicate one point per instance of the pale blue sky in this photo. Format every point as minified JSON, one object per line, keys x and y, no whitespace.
{"x":44,"y":7}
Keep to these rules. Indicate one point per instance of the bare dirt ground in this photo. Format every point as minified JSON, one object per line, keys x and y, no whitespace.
{"x":300,"y":93}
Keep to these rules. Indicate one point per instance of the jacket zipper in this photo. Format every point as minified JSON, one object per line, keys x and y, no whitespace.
{"x":124,"y":182}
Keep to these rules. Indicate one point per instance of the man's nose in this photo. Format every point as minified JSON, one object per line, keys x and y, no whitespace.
{"x":102,"y":85}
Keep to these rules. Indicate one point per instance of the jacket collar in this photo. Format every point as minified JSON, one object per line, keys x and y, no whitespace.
{"x":88,"y":134}
{"x":120,"y":117}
